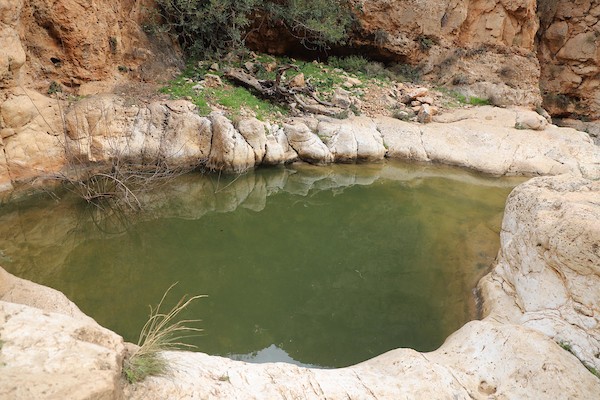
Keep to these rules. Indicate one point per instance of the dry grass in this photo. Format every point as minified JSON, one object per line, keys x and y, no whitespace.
{"x":161,"y":332}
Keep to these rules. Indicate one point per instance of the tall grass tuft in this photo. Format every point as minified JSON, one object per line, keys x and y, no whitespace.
{"x":161,"y":332}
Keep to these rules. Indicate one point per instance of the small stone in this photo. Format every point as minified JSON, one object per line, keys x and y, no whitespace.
{"x":417,"y":92}
{"x":214,"y":67}
{"x":351,"y":82}
{"x":341,"y":98}
{"x":426,"y":100}
{"x":250,"y":66}
{"x":425,"y":114}
{"x":530,"y":120}
{"x":211,"y":80}
{"x":270,"y":67}
{"x":416,"y":109}
{"x":297,"y":81}
{"x":415,"y":103}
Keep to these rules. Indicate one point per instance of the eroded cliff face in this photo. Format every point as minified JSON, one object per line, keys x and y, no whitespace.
{"x":84,"y":46}
{"x":569,"y":53}
{"x":496,"y":49}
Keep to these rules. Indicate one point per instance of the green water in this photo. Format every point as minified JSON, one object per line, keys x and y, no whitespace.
{"x":324,"y":266}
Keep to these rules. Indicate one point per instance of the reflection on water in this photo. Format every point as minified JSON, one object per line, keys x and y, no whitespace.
{"x":268,"y":355}
{"x":328,"y":266}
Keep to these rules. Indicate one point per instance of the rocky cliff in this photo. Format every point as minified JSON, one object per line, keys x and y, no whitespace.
{"x":504,"y":50}
{"x":569,"y":55}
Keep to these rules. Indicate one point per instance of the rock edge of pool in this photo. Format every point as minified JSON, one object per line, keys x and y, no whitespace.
{"x":539,"y":338}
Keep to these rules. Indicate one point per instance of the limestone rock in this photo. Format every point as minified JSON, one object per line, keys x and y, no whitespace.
{"x":425,"y":114}
{"x":229,"y":152}
{"x":106,"y":126}
{"x":20,"y":291}
{"x":484,"y":139}
{"x":35,"y":146}
{"x":350,"y":82}
{"x":530,"y":120}
{"x":59,"y":357}
{"x":253,"y":132}
{"x":308,"y":145}
{"x":88,"y":41}
{"x":478,"y":361}
{"x":278,"y":149}
{"x":402,"y":139}
{"x":50,"y":349}
{"x":548,"y":268}
{"x":352,"y":140}
{"x":12,"y":54}
{"x":297,"y":81}
{"x":341,"y":98}
{"x":212,"y":80}
{"x":570,"y":58}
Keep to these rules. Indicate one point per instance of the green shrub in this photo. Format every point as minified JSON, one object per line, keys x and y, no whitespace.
{"x":212,"y":27}
{"x":315,"y":23}
{"x":351,"y":63}
{"x":207,"y":26}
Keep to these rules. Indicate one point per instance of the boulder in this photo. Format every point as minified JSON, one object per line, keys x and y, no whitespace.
{"x":308,"y":145}
{"x":530,"y":120}
{"x":212,"y":80}
{"x":548,"y":269}
{"x":229,"y":151}
{"x":253,"y":132}
{"x":49,"y":349}
{"x":341,"y":98}
{"x":352,"y":140}
{"x":425,"y":114}
{"x":297,"y":81}
{"x":278,"y":149}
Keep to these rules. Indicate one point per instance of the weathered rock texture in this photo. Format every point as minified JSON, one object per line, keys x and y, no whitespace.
{"x":484,"y":48}
{"x":44,"y":137}
{"x":91,"y":46}
{"x":49,"y":349}
{"x":477,"y":362}
{"x":548,"y":272}
{"x":569,"y":54}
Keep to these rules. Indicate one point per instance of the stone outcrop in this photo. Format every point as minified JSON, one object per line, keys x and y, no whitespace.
{"x":569,"y":54}
{"x":43,"y":137}
{"x":477,"y":362}
{"x":548,"y":269}
{"x":92,"y":46}
{"x":49,"y":349}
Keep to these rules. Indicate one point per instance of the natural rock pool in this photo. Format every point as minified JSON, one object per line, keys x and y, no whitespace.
{"x":324,"y":266}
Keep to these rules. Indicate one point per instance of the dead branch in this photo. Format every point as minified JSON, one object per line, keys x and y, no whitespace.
{"x":298,"y":98}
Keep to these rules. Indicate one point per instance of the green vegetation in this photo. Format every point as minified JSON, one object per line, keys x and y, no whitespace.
{"x":458,"y":99}
{"x":54,"y":87}
{"x":162,"y":332}
{"x":593,"y":370}
{"x":567,"y":346}
{"x":367,"y":68}
{"x":238,"y":100}
{"x":234,"y":98}
{"x":215,"y":27}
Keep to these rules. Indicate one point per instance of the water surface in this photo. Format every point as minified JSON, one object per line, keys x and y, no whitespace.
{"x":324,"y":266}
